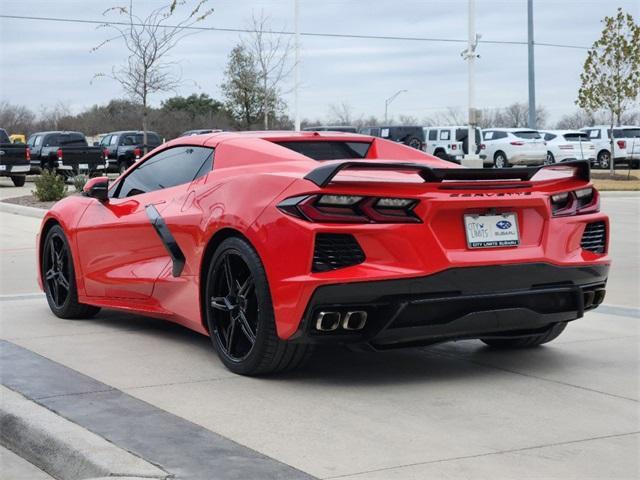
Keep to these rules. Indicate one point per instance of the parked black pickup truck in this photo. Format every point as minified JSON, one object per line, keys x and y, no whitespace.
{"x":122,"y":149}
{"x":64,"y":152}
{"x":14,"y":159}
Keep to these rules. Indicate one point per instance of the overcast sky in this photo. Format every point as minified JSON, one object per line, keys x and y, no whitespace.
{"x":42,"y":63}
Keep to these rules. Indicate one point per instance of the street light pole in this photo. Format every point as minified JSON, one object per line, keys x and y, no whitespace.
{"x":471,"y":159}
{"x":388,"y":101}
{"x":296,"y":66}
{"x":532,"y":72}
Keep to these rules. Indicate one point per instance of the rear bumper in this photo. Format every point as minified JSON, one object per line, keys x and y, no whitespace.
{"x":7,"y":169}
{"x":528,"y":158}
{"x":470,"y":302}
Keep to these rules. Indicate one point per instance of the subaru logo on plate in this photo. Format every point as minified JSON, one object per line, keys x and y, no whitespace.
{"x":503,"y":224}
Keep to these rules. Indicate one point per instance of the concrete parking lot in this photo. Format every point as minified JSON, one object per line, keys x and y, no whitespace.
{"x":457,"y":410}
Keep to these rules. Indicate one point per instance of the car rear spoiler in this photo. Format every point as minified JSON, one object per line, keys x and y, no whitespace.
{"x":323,"y":175}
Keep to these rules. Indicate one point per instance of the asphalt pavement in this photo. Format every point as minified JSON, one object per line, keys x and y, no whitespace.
{"x":457,"y":410}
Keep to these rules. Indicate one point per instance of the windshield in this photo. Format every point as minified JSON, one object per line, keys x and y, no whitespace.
{"x":576,"y":137}
{"x":328,"y":150}
{"x":528,"y":134}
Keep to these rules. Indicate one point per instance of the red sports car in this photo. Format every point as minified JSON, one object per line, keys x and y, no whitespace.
{"x":273,"y":242}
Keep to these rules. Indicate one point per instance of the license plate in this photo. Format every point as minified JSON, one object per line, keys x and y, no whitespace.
{"x":486,"y":231}
{"x":3,"y":168}
{"x":20,"y":168}
{"x":84,"y":166}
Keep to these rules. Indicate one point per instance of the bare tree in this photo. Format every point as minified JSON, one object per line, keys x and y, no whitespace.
{"x":16,"y":118}
{"x":51,"y":117}
{"x":271,"y":52}
{"x":341,"y":114}
{"x":149,"y":41}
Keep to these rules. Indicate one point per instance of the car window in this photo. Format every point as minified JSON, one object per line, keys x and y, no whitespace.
{"x":445,"y":134}
{"x":114,"y":140}
{"x":328,"y":150}
{"x":550,"y":136}
{"x":594,"y":133}
{"x":35,"y":141}
{"x":105,"y":140}
{"x":527,"y":134}
{"x":626,"y":132}
{"x":168,"y":168}
{"x":433,"y":134}
{"x":576,"y":137}
{"x":488,"y":135}
{"x":4,"y":138}
{"x":384,"y":133}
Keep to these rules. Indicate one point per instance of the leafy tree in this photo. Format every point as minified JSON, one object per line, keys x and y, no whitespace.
{"x":194,"y":104}
{"x":245,"y":97}
{"x":611,"y":73}
{"x":149,"y":41}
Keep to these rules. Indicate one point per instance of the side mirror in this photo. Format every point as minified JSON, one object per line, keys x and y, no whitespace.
{"x":97,"y":188}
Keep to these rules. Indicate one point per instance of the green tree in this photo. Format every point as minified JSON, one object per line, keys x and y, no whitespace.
{"x":245,"y":97}
{"x":611,"y":74}
{"x":194,"y":105}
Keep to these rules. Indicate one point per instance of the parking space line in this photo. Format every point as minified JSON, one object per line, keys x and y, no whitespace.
{"x":182,"y":448}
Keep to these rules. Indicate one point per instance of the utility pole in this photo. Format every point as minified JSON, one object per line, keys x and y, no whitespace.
{"x":532,"y":72}
{"x":388,"y":101}
{"x":471,"y":159}
{"x":296,"y":66}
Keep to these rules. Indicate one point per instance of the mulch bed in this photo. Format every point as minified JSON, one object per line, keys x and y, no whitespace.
{"x":29,"y":201}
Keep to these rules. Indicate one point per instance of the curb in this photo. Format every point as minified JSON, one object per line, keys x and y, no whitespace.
{"x":22,"y":210}
{"x":61,"y":448}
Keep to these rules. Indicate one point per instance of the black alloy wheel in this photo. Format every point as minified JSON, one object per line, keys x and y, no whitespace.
{"x":239,"y":313}
{"x":234,"y":299}
{"x":58,"y":277}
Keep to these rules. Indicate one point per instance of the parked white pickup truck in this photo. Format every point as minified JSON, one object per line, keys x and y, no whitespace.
{"x":626,"y":144}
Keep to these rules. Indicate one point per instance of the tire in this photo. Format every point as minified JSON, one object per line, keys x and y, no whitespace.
{"x":527,"y":342}
{"x":239,"y":314}
{"x":18,"y":180}
{"x":122,"y":167}
{"x":500,"y":160}
{"x":441,"y":154}
{"x":58,"y":277}
{"x":550,"y":160}
{"x":604,"y":159}
{"x":415,"y":143}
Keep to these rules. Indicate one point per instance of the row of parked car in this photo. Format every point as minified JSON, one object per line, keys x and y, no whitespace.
{"x":504,"y":147}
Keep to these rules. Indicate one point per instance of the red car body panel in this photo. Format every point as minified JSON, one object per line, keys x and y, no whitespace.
{"x":121,"y":263}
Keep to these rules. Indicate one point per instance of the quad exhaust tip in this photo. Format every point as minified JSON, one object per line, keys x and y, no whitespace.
{"x":354,"y":320}
{"x":330,"y":321}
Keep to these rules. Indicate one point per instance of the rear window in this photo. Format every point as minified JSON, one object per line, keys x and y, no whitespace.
{"x":626,"y":132}
{"x":576,"y":137}
{"x":68,"y":139}
{"x":328,"y":150}
{"x":528,"y":134}
{"x":4,"y":138}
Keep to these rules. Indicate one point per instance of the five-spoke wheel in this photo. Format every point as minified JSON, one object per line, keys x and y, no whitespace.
{"x":239,"y":313}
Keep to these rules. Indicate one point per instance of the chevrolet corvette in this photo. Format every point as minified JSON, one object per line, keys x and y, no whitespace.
{"x":272,"y":243}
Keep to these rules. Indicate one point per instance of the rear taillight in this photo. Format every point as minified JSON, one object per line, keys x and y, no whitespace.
{"x":454,"y":147}
{"x":27,"y":153}
{"x":482,"y":146}
{"x":105,"y":152}
{"x":350,"y":209}
{"x":137,"y":152}
{"x":59,"y":154}
{"x":517,"y":144}
{"x":576,"y":202}
{"x":622,"y":144}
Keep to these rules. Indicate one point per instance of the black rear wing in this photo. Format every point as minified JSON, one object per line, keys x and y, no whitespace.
{"x":323,"y":175}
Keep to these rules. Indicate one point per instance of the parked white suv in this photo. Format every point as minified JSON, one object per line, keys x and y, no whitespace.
{"x":564,"y":145}
{"x":626,"y":145}
{"x":449,"y":143}
{"x":505,"y":147}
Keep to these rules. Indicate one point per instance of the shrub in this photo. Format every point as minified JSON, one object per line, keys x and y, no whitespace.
{"x":49,"y":187}
{"x":79,"y":181}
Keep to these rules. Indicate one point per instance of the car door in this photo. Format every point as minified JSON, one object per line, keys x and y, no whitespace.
{"x":121,"y":250}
